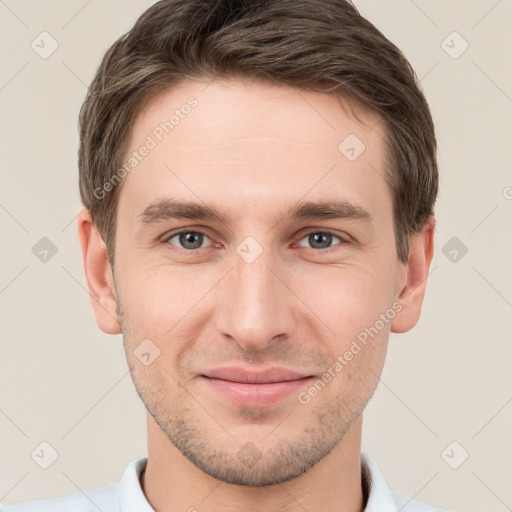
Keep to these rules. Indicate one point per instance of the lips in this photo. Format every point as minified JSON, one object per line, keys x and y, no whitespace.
{"x":254,"y":389}
{"x":269,"y":375}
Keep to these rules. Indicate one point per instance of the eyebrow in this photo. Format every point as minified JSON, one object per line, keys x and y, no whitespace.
{"x":170,"y":208}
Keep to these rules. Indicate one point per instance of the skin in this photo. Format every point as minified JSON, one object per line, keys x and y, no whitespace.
{"x":253,"y":149}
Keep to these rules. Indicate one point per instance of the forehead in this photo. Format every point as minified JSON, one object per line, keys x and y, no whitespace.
{"x":248,"y":145}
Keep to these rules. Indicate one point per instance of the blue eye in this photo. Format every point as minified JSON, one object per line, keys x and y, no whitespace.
{"x":189,"y":240}
{"x":319,"y":240}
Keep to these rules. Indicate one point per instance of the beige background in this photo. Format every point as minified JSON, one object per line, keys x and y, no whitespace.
{"x":65,"y":382}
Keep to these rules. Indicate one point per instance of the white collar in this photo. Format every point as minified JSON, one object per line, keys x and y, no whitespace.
{"x":380,"y":497}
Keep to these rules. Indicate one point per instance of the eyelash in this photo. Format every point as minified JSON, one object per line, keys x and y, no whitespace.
{"x":323,"y":232}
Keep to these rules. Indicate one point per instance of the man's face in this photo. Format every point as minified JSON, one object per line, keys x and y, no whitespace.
{"x":259,"y":289}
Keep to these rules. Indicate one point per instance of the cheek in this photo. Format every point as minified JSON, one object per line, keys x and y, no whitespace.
{"x":349,"y":299}
{"x":162,"y":302}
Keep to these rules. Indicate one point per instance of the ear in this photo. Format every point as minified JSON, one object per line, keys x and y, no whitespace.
{"x":412,"y":279}
{"x":98,"y":273}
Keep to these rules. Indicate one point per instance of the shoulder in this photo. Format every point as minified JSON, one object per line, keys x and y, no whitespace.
{"x":405,"y":503}
{"x":104,"y":498}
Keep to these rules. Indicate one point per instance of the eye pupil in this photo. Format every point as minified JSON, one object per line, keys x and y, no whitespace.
{"x":187,"y":240}
{"x":192,"y":240}
{"x":319,"y":238}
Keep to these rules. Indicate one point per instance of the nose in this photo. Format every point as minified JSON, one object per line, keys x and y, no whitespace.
{"x":254,"y":305}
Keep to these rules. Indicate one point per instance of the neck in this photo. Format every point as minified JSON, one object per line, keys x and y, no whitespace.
{"x":172,"y":483}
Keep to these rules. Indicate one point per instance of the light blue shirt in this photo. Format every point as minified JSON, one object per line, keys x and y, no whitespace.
{"x":127,"y":495}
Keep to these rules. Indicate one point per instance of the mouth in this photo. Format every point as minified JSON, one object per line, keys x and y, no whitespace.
{"x":254,"y":389}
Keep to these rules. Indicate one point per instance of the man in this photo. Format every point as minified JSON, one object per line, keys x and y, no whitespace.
{"x":259,"y":180}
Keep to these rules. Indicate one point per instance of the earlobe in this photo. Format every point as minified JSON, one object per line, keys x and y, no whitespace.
{"x":98,"y":273}
{"x":413,"y":278}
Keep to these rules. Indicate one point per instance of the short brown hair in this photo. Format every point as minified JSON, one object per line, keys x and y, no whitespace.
{"x":317,"y":45}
